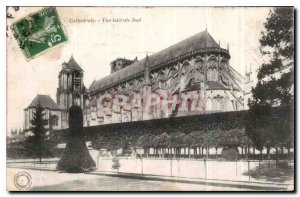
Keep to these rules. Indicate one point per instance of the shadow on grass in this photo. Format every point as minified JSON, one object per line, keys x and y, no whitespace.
{"x":268,"y":172}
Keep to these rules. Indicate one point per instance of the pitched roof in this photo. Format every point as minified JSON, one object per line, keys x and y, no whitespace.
{"x":45,"y":100}
{"x":193,"y":87}
{"x":201,"y":40}
{"x":214,"y":85}
{"x":72,"y":64}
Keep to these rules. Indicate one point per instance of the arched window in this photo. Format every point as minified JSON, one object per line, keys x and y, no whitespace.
{"x":184,"y":67}
{"x":212,"y":73}
{"x":215,"y":74}
{"x":199,"y":64}
{"x":171,"y":72}
{"x":161,"y":76}
{"x":76,"y":100}
{"x":208,"y":104}
{"x":54,"y":120}
{"x":218,"y":103}
{"x":189,"y":104}
{"x":224,"y":63}
{"x":191,"y":82}
{"x":76,"y":81}
{"x":209,"y":74}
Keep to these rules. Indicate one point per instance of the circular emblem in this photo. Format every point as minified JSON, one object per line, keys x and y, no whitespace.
{"x":22,"y":180}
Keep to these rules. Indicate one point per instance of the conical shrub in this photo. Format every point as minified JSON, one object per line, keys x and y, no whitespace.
{"x":76,"y":157}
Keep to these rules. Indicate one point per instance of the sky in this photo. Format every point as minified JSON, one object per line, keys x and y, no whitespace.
{"x":95,"y":45}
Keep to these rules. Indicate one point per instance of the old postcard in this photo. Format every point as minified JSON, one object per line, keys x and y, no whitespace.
{"x":150,"y":98}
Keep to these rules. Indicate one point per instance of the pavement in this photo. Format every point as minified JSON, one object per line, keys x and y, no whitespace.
{"x":181,"y":183}
{"x":210,"y":182}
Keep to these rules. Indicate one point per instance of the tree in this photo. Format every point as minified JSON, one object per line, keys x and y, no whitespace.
{"x":99,"y":142}
{"x":176,"y":141}
{"x":161,"y":142}
{"x":114,"y":142}
{"x":146,"y":142}
{"x":213,"y":139}
{"x":277,"y":43}
{"x":245,"y":142}
{"x":197,"y":140}
{"x":38,"y":142}
{"x":273,"y":89}
{"x":188,"y":140}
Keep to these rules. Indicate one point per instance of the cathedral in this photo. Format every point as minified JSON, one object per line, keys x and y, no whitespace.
{"x":195,"y":70}
{"x":191,"y":77}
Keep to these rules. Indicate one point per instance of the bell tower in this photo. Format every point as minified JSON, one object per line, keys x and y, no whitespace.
{"x":70,"y":89}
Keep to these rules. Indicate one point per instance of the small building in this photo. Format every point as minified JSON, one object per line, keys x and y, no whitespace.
{"x":51,"y":110}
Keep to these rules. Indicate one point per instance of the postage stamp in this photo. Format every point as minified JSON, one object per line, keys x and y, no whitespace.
{"x":39,"y":32}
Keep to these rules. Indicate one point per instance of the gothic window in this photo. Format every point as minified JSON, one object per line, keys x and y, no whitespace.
{"x":223,"y":63}
{"x":247,"y":77}
{"x":65,"y":78}
{"x":234,"y":104}
{"x":191,"y":82}
{"x":222,"y":104}
{"x":199,"y":64}
{"x":189,"y":105}
{"x":76,"y":100}
{"x":215,"y":74}
{"x":171,"y":72}
{"x":201,"y":76}
{"x":59,"y":81}
{"x":65,"y":100}
{"x":218,"y":103}
{"x":209,"y":74}
{"x":161,"y":76}
{"x":215,"y":104}
{"x":199,"y":71}
{"x":212,"y":73}
{"x":209,"y":104}
{"x":184,"y":68}
{"x":54,"y":120}
{"x":76,"y":81}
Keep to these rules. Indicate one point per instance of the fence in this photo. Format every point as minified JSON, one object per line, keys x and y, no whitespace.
{"x":191,"y":168}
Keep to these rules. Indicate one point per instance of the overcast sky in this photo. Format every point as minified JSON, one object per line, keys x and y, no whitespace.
{"x":95,"y":45}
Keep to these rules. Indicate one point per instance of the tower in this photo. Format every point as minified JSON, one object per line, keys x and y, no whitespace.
{"x":70,"y":88}
{"x":147,"y":82}
{"x":146,"y":91}
{"x":248,"y":84}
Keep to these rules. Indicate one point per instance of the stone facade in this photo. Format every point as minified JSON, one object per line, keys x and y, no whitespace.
{"x":195,"y":70}
{"x":191,"y":77}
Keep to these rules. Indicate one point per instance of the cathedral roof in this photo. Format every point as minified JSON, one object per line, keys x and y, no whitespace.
{"x":45,"y":100}
{"x":214,"y":85}
{"x":201,"y":40}
{"x":72,"y":65}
